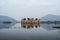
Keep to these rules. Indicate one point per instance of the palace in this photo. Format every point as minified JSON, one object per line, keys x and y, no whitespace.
{"x":30,"y":22}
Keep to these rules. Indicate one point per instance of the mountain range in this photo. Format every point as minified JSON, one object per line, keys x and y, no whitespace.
{"x":7,"y":19}
{"x":50,"y":17}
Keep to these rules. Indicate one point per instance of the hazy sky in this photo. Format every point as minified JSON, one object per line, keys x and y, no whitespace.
{"x":29,"y":8}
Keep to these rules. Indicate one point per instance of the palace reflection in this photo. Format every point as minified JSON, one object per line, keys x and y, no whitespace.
{"x":30,"y":23}
{"x":46,"y":25}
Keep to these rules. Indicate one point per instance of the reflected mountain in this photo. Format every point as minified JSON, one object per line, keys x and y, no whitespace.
{"x":50,"y":19}
{"x":49,"y":27}
{"x":7,"y":22}
{"x":57,"y":27}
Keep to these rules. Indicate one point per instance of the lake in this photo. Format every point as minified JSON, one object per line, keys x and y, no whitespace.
{"x":17,"y":32}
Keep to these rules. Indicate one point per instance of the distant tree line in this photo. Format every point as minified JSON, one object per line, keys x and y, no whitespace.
{"x":51,"y":22}
{"x":7,"y":22}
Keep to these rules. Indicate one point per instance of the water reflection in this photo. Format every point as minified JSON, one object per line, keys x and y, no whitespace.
{"x":30,"y":25}
{"x":57,"y":27}
{"x":46,"y":26}
{"x":50,"y":25}
{"x":7,"y":22}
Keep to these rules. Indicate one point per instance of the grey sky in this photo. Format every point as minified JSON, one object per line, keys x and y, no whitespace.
{"x":29,"y":8}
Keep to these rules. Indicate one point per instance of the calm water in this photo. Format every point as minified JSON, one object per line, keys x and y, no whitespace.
{"x":44,"y":32}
